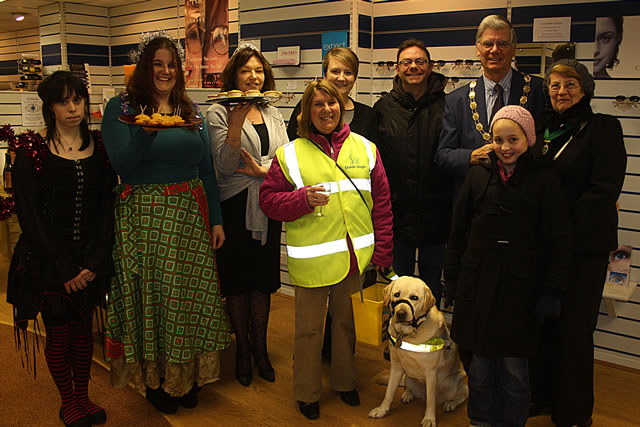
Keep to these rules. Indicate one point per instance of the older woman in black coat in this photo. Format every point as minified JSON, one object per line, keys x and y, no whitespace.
{"x":588,"y":152}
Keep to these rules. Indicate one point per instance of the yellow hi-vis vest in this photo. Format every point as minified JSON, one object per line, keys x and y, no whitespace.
{"x":317,"y":250}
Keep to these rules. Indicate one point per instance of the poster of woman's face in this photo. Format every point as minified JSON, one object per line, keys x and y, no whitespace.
{"x":206,"y":41}
{"x":614,"y":53}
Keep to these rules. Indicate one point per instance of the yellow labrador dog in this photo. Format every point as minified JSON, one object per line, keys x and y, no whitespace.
{"x":420,"y":348}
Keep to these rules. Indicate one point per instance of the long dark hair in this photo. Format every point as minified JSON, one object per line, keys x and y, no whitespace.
{"x":238,"y":59}
{"x":59,"y":87}
{"x":140,"y":88}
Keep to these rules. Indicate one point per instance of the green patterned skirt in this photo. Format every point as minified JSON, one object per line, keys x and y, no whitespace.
{"x":165,"y":314}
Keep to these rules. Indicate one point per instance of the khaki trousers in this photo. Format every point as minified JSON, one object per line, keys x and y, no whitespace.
{"x":310,"y":313}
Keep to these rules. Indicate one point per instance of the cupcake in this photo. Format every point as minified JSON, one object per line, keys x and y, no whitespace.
{"x":234,"y":93}
{"x":252,"y":92}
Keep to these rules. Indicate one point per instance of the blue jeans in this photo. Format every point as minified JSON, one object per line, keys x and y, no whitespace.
{"x":430,"y":259}
{"x":499,"y":391}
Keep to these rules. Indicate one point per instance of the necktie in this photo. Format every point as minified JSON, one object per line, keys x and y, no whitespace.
{"x":499,"y":101}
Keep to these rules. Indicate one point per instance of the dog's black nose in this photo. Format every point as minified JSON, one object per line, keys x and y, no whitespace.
{"x":401,"y":314}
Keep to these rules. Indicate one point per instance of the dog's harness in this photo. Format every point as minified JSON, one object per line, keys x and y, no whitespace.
{"x":432,"y":344}
{"x":415,"y":320}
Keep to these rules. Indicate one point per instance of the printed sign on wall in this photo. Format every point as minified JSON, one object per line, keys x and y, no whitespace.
{"x":334,"y":39}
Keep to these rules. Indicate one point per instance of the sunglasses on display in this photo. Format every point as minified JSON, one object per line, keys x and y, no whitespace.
{"x":420,"y":62}
{"x":469,"y":63}
{"x":385,"y":64}
{"x":452,"y":81}
{"x":632,"y":100}
{"x":488,"y":44}
{"x":439,"y":64}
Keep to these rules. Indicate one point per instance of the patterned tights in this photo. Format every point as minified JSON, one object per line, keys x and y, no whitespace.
{"x":249,"y":315}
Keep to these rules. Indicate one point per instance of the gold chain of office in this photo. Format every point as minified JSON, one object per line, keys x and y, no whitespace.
{"x":474,"y":105}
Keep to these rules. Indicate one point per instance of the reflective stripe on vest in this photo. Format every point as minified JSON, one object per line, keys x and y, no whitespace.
{"x":329,"y":248}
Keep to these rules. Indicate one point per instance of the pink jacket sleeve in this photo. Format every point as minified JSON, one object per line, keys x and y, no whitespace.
{"x":381,"y":215}
{"x":278,"y":200}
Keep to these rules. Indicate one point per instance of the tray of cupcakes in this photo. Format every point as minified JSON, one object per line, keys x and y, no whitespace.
{"x":234,"y":97}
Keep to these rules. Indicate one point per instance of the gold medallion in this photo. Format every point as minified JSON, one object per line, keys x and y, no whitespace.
{"x":474,"y":105}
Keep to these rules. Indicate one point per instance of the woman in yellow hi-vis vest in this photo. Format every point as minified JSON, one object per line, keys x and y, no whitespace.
{"x":330,"y":188}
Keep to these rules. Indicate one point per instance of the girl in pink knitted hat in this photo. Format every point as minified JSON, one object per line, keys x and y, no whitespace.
{"x":506,"y":264}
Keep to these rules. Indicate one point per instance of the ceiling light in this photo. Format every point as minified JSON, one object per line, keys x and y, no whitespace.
{"x":18,"y":16}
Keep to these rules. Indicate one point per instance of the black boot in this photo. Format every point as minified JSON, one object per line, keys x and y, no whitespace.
{"x":189,"y":400}
{"x":161,"y":400}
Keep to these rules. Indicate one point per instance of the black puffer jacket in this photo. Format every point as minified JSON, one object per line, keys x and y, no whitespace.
{"x":408,"y":132}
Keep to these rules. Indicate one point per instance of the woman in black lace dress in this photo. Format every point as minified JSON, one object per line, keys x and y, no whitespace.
{"x":62,"y":261}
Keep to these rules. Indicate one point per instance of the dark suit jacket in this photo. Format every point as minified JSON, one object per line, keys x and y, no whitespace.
{"x":459,"y":136}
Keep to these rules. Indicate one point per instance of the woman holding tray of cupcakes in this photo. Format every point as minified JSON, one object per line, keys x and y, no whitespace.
{"x":244,"y":139}
{"x":166,"y":321}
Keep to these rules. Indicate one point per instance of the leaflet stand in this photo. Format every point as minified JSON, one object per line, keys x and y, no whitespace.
{"x":619,"y":293}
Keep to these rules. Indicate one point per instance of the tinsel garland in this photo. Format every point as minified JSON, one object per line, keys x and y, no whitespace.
{"x":7,"y":207}
{"x":146,"y":38}
{"x":34,"y":147}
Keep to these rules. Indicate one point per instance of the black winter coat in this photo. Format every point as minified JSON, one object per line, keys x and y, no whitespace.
{"x":592,"y":167}
{"x":510,"y":243}
{"x":408,"y":133}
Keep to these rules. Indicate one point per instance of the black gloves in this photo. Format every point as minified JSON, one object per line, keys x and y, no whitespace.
{"x":449,"y":291}
{"x":548,"y":307}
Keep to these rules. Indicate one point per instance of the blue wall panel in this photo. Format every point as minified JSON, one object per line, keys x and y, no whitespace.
{"x":308,"y":25}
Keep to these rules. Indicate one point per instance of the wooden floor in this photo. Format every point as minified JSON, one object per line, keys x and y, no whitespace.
{"x":272,"y":404}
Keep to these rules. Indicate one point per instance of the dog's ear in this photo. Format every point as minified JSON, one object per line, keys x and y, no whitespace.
{"x":429,"y":299}
{"x":386,"y":293}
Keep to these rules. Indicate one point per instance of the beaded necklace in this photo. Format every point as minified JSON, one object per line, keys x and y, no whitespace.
{"x":474,"y":105}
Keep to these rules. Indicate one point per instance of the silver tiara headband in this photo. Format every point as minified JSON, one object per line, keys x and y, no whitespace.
{"x":245,"y":46}
{"x":146,"y":38}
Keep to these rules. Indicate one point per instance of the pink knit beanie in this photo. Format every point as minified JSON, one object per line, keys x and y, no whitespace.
{"x":521,"y":116}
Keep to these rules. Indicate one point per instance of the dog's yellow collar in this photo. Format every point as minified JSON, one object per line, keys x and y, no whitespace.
{"x":432,"y":344}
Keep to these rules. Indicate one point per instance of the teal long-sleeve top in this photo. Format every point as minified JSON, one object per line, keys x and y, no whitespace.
{"x":162,"y":157}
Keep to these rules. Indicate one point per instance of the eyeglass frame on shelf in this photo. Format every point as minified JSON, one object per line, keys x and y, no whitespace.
{"x":439,"y":63}
{"x":388,"y":64}
{"x":624,"y":100}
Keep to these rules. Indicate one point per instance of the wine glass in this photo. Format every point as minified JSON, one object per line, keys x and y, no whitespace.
{"x":327,"y":191}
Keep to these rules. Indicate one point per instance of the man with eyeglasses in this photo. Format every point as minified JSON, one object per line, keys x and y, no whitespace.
{"x":409,"y":123}
{"x":465,"y":139}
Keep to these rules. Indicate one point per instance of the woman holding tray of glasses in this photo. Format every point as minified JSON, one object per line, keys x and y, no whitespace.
{"x":166,"y":321}
{"x":327,"y":254}
{"x":244,"y":140}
